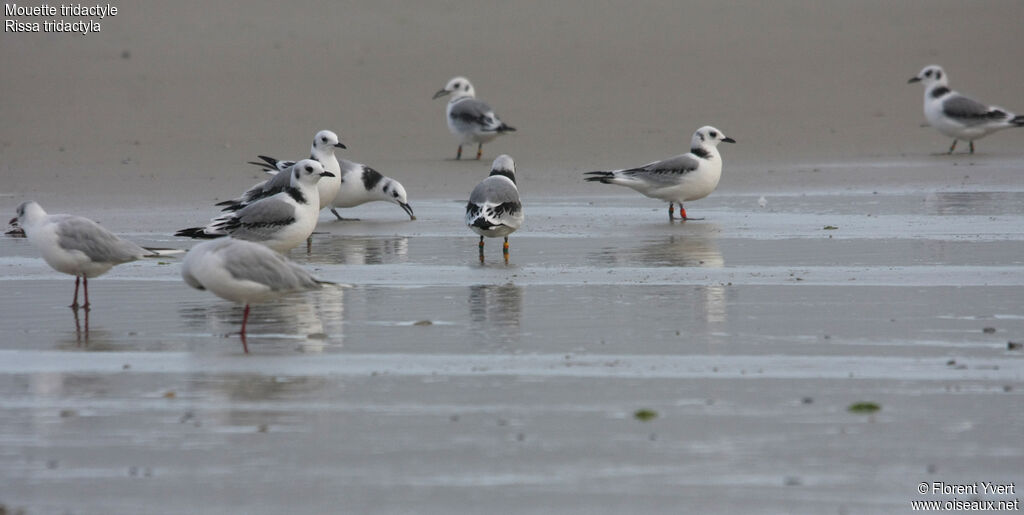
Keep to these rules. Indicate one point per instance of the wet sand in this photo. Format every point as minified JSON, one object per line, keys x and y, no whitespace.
{"x":433,"y":383}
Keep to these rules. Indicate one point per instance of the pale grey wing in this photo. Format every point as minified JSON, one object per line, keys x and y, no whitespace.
{"x":969,"y":111}
{"x":666,"y":172}
{"x":259,"y":220}
{"x":496,"y":198}
{"x":473,"y":114}
{"x":254,"y":262}
{"x":99,"y":244}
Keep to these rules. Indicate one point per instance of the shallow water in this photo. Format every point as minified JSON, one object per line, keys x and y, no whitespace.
{"x":431,"y":382}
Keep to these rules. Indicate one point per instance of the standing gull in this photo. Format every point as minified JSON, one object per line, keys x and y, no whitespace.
{"x":469,"y":119}
{"x":281,"y":221}
{"x":77,"y":246}
{"x":324,"y":143}
{"x":494,"y":209}
{"x":958,"y":116}
{"x":361,"y":184}
{"x":244,"y":272}
{"x":678,"y":179}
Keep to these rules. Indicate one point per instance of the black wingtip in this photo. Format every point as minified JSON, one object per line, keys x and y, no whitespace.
{"x":1018,"y":120}
{"x":196,"y":232}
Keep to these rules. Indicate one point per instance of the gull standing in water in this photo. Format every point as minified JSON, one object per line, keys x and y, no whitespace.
{"x":469,"y":119}
{"x":494,"y":209}
{"x":958,"y":116}
{"x":678,"y":179}
{"x":78,"y":246}
{"x":281,"y":221}
{"x":244,"y":272}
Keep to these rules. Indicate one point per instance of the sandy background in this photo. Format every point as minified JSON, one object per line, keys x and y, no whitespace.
{"x":170,"y":97}
{"x":749,"y":333}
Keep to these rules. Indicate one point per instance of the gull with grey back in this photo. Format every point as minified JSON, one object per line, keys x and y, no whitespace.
{"x":244,"y":272}
{"x":470,"y":120}
{"x":678,"y":179}
{"x":958,"y":116}
{"x":494,"y":209}
{"x":78,"y":246}
{"x":281,"y":221}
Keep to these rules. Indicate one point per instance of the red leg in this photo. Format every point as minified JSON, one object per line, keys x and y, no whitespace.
{"x":682,"y":212}
{"x":951,"y":147}
{"x":245,"y":319}
{"x":479,"y":151}
{"x":85,"y":287}
{"x":74,"y":301}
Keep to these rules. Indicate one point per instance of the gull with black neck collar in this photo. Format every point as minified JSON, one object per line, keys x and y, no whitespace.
{"x":281,"y":221}
{"x":958,"y":116}
{"x":678,"y":179}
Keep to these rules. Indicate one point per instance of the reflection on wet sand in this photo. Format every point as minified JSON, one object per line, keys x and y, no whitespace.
{"x":696,"y":250}
{"x":360,"y":250}
{"x":495,"y":311}
{"x":315,"y":317}
{"x":983,"y":203}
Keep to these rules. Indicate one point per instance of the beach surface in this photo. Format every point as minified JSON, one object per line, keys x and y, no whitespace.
{"x":617,"y":362}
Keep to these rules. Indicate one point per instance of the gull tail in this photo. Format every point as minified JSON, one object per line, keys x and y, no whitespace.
{"x":602,"y":177}
{"x":197,"y":232}
{"x":1018,"y":120}
{"x":482,"y":223}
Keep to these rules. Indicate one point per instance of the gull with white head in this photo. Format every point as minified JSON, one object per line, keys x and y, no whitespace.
{"x":678,"y":179}
{"x":470,"y":120}
{"x":958,"y":116}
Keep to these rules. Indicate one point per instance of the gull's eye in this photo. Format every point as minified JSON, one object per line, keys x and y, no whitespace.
{"x":928,"y":73}
{"x":309,"y":169}
{"x":713,"y":134}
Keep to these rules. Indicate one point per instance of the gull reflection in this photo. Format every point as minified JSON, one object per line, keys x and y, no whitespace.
{"x":314,"y":317}
{"x":675,"y":250}
{"x":495,"y":311}
{"x":360,"y":250}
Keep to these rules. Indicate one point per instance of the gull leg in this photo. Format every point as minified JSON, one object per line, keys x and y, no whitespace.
{"x":341,"y":218}
{"x":85,"y":288}
{"x":671,"y":211}
{"x":951,"y":147}
{"x":682,"y":212}
{"x":458,"y":155}
{"x":481,"y":245}
{"x":479,"y":151}
{"x":74,"y":301}
{"x":972,"y":146}
{"x":504,"y":249}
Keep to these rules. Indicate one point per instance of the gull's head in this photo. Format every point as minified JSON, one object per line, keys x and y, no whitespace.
{"x":930,"y":75}
{"x":458,"y":87}
{"x":28,"y":212}
{"x":309,"y":171}
{"x":504,"y":165}
{"x":327,"y":141}
{"x":394,"y":192}
{"x":708,"y":136}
